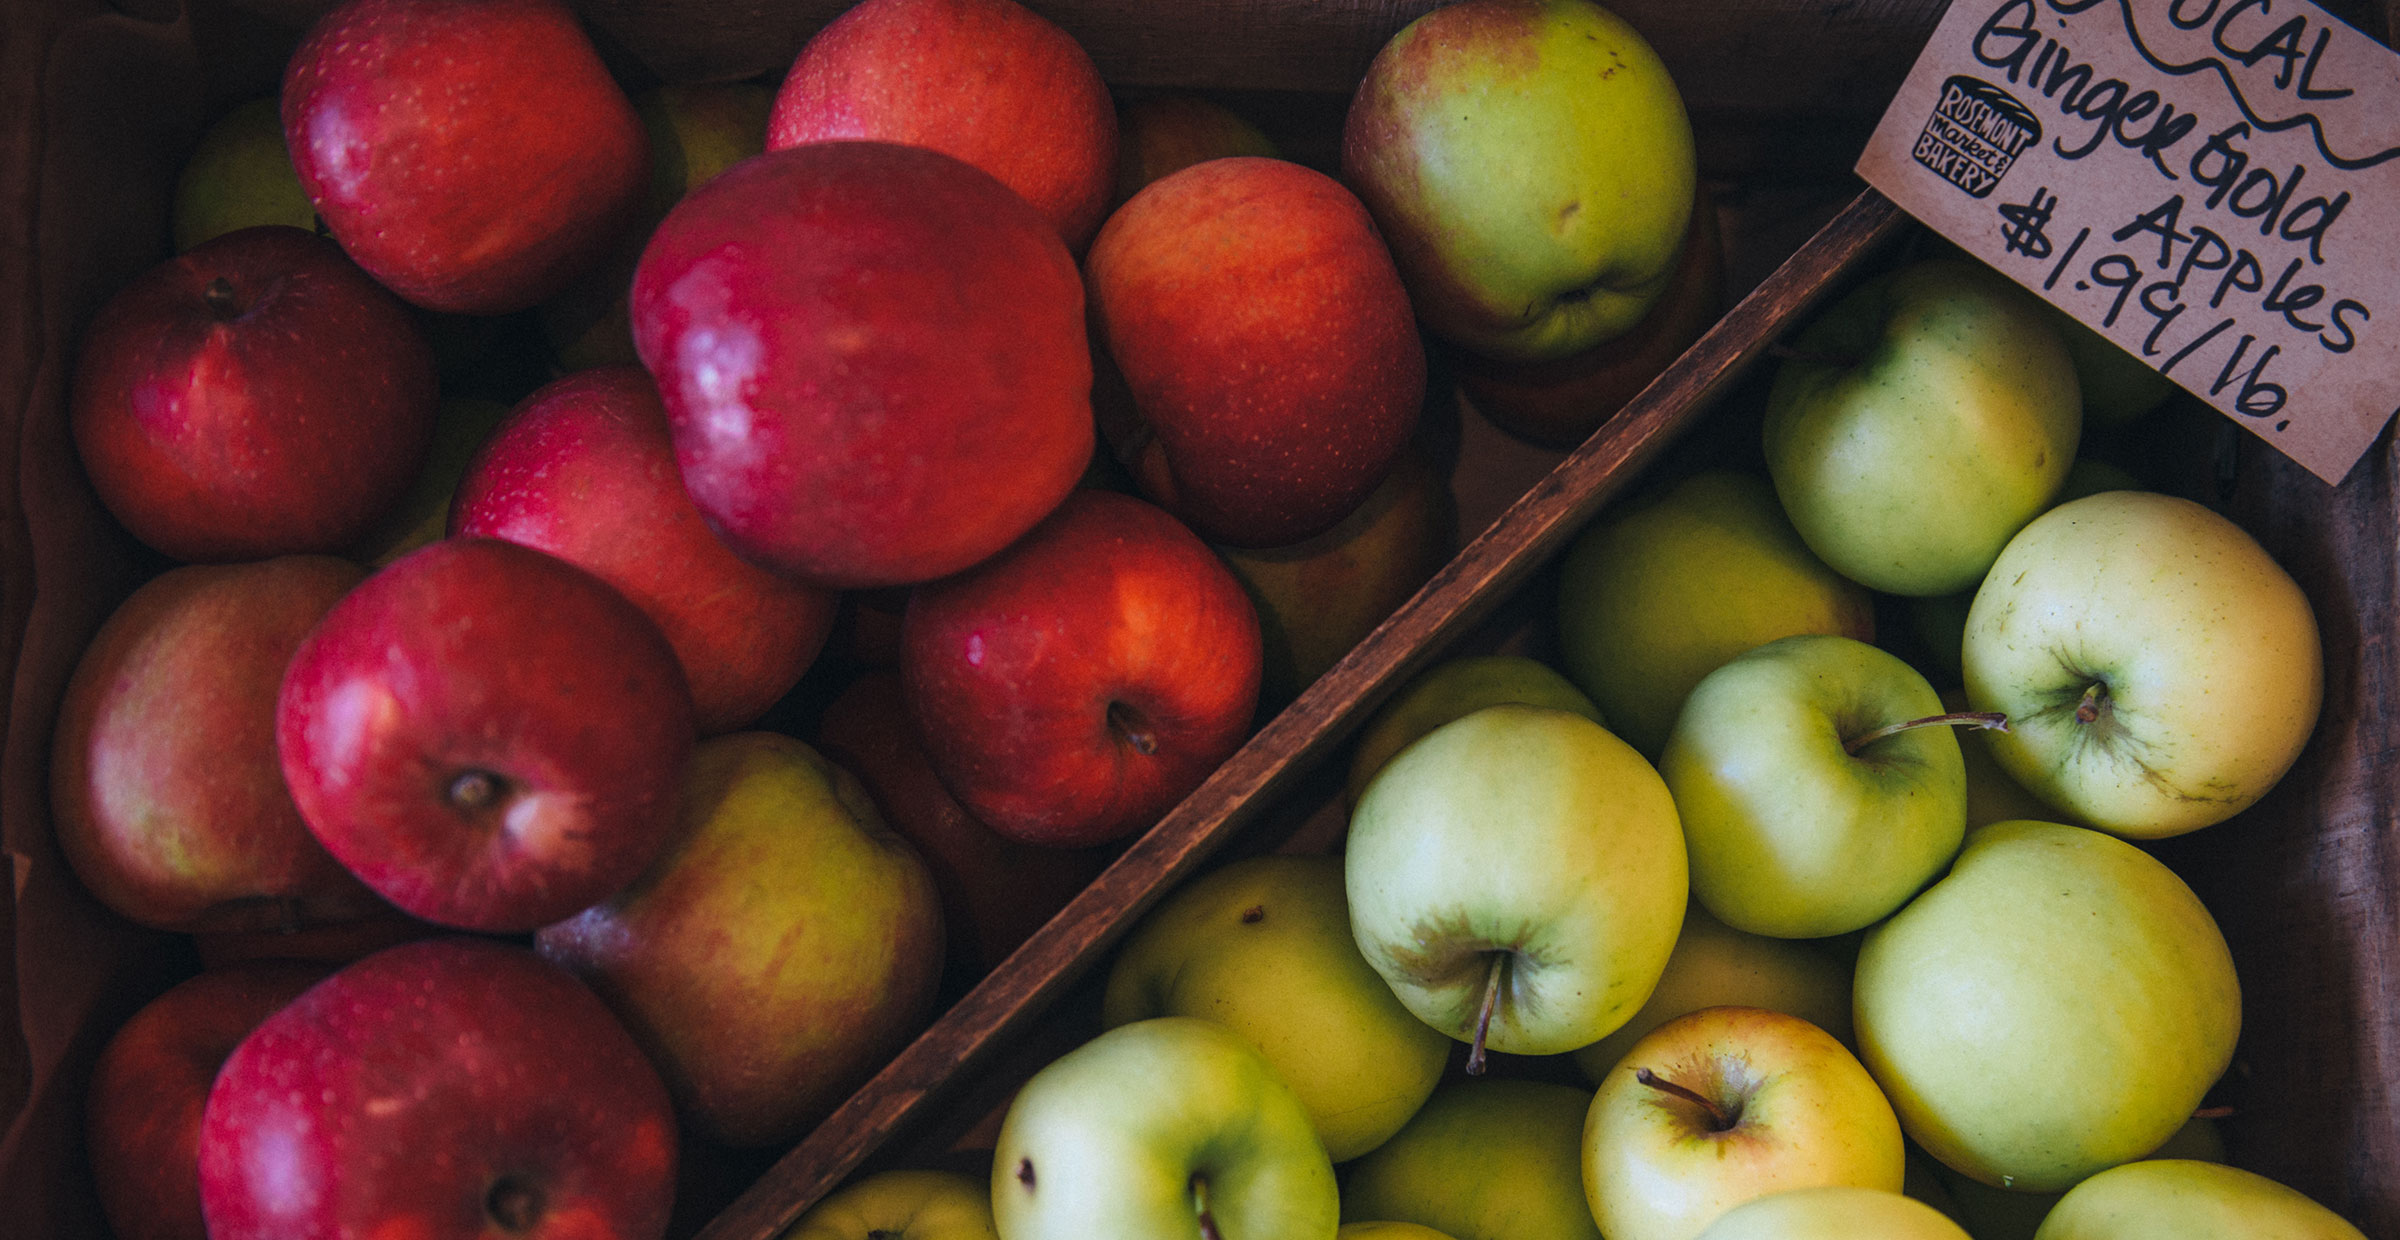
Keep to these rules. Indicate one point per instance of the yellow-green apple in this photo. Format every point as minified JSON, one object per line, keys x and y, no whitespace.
{"x":1459,"y":687}
{"x":2117,"y":386}
{"x":1388,"y":1231}
{"x":585,"y":470}
{"x":2162,"y":670}
{"x":1654,"y":597}
{"x":1163,"y":1127}
{"x":1990,"y":1213}
{"x":1162,"y":134}
{"x":995,"y":891}
{"x":1485,"y":1156}
{"x":165,"y":787}
{"x":1714,"y":964}
{"x":2059,"y":1003}
{"x":990,"y":82}
{"x":1559,"y":402}
{"x":873,"y":357}
{"x":422,"y":514}
{"x":1263,"y":333}
{"x":779,"y":950}
{"x":1319,"y":597}
{"x":903,"y":1205}
{"x":1991,"y":795}
{"x":2185,"y":1199}
{"x":205,"y":394}
{"x":1263,"y":947}
{"x":1922,"y":420}
{"x":449,"y":1087}
{"x":488,"y":736}
{"x":475,"y":157}
{"x":142,"y":1109}
{"x":696,"y":131}
{"x":1076,"y":686}
{"x":1836,"y":1212}
{"x":1819,"y":786}
{"x":240,"y":175}
{"x":1722,"y":1106}
{"x":1507,"y":256}
{"x":1517,"y":876}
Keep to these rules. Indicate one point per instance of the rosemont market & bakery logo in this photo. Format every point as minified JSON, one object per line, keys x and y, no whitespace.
{"x":1975,"y":133}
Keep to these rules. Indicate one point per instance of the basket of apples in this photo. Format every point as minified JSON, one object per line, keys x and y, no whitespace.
{"x":928,"y":617}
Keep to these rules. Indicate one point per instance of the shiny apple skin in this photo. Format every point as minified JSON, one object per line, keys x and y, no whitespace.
{"x":477,"y":655}
{"x":284,"y":422}
{"x":585,"y":470}
{"x":474,"y":155}
{"x":1038,"y":679}
{"x":873,"y":357}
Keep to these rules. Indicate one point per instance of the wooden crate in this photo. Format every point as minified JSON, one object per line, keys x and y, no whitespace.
{"x":102,"y":103}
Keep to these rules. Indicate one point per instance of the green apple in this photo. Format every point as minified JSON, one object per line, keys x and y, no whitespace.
{"x":1837,"y":1213}
{"x":1991,"y":795}
{"x":239,"y":176}
{"x":1923,"y":419}
{"x":902,"y":1205}
{"x":2117,"y":386}
{"x":1990,"y":1213}
{"x":2161,"y":669}
{"x":1509,"y":256}
{"x":1714,"y":964}
{"x":1818,"y":785}
{"x":1652,"y":598}
{"x":2058,"y":1003}
{"x":1461,"y":686}
{"x":784,"y":946}
{"x":2184,"y":1199}
{"x":1167,"y":1127}
{"x":1517,"y":876}
{"x":1723,"y":1105}
{"x":1484,"y":1158}
{"x":1389,"y":1231}
{"x":1263,"y":947}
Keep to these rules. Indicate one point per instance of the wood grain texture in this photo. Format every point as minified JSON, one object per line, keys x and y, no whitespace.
{"x":1528,"y":534}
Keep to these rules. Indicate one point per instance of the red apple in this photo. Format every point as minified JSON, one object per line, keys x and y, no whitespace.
{"x":784,"y":946}
{"x":256,"y":396}
{"x":1263,"y":332}
{"x":474,"y":155}
{"x":995,"y":891}
{"x":453,"y":1087}
{"x":873,"y":357}
{"x":165,"y":787}
{"x":487,"y":735}
{"x":988,"y":81}
{"x":1162,"y":134}
{"x":1079,"y":684}
{"x":142,"y":1112}
{"x":1560,"y":403}
{"x":585,"y":470}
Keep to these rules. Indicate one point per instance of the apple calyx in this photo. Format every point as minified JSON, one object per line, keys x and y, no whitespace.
{"x":1719,"y":1119}
{"x":1208,"y":1223}
{"x":1132,"y":728}
{"x":1991,"y":719}
{"x":223,"y":303}
{"x":514,"y":1204}
{"x":474,"y":790}
{"x":1483,"y":1016}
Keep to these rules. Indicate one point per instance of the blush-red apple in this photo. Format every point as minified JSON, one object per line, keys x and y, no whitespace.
{"x":488,"y":736}
{"x":1268,"y":345}
{"x":1077,"y":685}
{"x":474,"y":155}
{"x":256,"y":396}
{"x":988,"y":81}
{"x":453,"y":1087}
{"x":165,"y":787}
{"x":150,"y":1085}
{"x":585,"y":470}
{"x":873,"y":357}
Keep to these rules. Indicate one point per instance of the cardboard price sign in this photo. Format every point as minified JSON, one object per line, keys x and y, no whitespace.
{"x":2212,"y":184}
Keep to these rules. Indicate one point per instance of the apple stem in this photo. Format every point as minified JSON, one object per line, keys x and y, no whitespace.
{"x":1992,"y":719}
{"x":2088,"y":709}
{"x":2213,"y":1113}
{"x":221,"y":299}
{"x":1718,"y":1119}
{"x":1208,"y":1224}
{"x":1483,"y":1018}
{"x":1129,"y":724}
